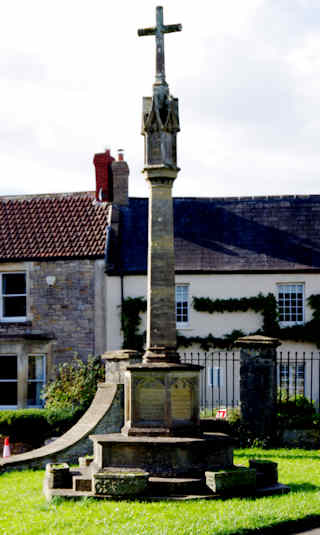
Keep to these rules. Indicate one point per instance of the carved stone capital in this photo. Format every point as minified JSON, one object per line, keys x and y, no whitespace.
{"x":155,"y":173}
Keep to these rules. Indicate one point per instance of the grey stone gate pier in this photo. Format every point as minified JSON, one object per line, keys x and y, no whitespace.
{"x":258,"y":383}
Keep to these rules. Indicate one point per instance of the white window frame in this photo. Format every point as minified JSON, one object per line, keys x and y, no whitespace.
{"x":281,"y":285}
{"x":42,"y":381}
{"x":183,"y":324}
{"x":5,"y":407}
{"x":12,"y":318}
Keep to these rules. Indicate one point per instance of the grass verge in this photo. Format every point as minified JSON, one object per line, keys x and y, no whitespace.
{"x":23,"y":509}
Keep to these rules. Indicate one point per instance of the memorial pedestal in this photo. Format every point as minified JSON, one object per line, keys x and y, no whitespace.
{"x":162,"y":399}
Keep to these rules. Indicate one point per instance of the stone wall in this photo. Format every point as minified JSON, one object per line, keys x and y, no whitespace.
{"x":64,"y":311}
{"x":63,"y":319}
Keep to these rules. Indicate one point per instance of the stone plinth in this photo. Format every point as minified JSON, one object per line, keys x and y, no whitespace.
{"x":162,"y":399}
{"x":236,"y":480}
{"x":58,"y":476}
{"x":116,"y":363}
{"x":163,"y":456}
{"x":267,"y":471}
{"x":119,"y":482}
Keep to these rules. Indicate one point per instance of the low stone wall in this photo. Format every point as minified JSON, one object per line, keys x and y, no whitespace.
{"x":105,"y":415}
{"x":301,"y":438}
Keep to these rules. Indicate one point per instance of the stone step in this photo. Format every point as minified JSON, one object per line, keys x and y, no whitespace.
{"x":67,"y":494}
{"x":272,"y":490}
{"x":262,"y":481}
{"x":82,"y":483}
{"x":266,"y":472}
{"x":177,"y":486}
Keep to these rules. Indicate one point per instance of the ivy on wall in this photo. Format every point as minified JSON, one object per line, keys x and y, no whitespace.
{"x":210,"y":341}
{"x":267,"y":306}
{"x":130,"y":321}
{"x":264,"y":304}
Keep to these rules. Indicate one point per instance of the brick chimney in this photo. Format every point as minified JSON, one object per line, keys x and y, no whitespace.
{"x":104,"y":179}
{"x":120,"y":173}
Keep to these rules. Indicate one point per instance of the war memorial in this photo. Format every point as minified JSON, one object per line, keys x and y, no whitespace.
{"x":155,"y":448}
{"x":160,"y":450}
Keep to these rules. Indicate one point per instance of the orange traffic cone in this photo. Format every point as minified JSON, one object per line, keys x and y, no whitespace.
{"x":6,"y":448}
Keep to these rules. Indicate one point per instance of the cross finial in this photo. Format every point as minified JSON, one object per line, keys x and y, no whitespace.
{"x":159,"y":30}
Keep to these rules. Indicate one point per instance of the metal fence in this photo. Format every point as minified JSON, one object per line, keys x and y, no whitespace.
{"x":297,"y":374}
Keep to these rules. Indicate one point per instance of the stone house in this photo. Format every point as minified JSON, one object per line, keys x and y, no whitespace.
{"x":52,"y":285}
{"x":69,"y":262}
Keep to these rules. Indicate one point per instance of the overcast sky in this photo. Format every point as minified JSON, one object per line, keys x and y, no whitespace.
{"x":246,"y":72}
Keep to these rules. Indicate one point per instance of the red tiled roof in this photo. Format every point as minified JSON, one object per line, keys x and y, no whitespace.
{"x":52,"y":226}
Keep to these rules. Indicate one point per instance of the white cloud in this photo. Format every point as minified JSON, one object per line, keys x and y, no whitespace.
{"x":246,"y":73}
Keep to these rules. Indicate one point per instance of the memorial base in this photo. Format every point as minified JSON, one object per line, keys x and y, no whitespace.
{"x":163,"y":456}
{"x":123,"y":482}
{"x":162,"y":399}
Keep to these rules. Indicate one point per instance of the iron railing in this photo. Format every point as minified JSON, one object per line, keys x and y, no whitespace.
{"x":298,"y":373}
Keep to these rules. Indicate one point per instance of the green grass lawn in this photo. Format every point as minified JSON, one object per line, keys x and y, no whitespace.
{"x":23,"y":509}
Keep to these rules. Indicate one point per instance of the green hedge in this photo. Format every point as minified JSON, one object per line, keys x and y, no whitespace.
{"x":297,"y":413}
{"x":35,"y":425}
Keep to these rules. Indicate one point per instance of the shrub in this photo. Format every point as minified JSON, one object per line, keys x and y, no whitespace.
{"x":33,"y":426}
{"x":292,"y":413}
{"x":25,"y":425}
{"x":60,"y":420}
{"x":297,"y":413}
{"x":242,"y":432}
{"x":75,"y":385}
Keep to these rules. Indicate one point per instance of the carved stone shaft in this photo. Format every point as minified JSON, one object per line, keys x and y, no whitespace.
{"x":161,"y":320}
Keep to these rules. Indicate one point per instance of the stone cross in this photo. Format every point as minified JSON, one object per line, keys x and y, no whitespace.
{"x":159,"y":30}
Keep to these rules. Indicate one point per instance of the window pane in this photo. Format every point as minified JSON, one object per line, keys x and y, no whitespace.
{"x":14,"y":307}
{"x":14,"y":283}
{"x":290,"y":302}
{"x":8,"y":394}
{"x":34,"y":393}
{"x":292,"y":379}
{"x":182,"y":304}
{"x":8,"y":367}
{"x":36,"y":368}
{"x":215,"y":377}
